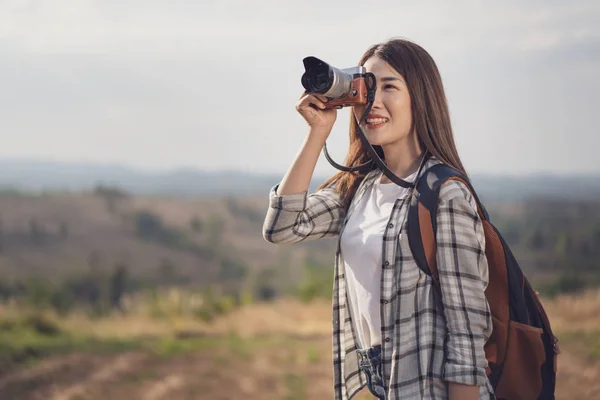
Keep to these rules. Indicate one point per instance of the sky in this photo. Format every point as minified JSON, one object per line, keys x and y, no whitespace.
{"x":213,"y":85}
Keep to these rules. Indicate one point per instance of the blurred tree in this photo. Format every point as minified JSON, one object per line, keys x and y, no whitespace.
{"x":118,"y":285}
{"x":6,"y":290}
{"x":318,"y":281}
{"x":563,"y":244}
{"x":62,"y":301}
{"x":1,"y":236}
{"x":111,"y":195}
{"x":39,"y":293}
{"x":36,"y":232}
{"x":232,"y":270}
{"x":566,"y":283}
{"x":196,"y":224}
{"x":596,"y":234}
{"x":264,"y":286}
{"x":94,"y":260}
{"x":510,"y":231}
{"x":536,"y":239}
{"x":150,"y":226}
{"x":63,"y":230}
{"x":214,"y":228}
{"x":167,"y":272}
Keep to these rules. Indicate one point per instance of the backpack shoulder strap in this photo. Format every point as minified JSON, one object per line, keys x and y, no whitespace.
{"x":422,"y":224}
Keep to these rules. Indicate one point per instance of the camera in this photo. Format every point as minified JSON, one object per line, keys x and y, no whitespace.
{"x":342,"y":87}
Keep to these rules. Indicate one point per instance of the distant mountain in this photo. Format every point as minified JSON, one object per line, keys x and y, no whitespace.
{"x":501,"y":188}
{"x":31,"y":175}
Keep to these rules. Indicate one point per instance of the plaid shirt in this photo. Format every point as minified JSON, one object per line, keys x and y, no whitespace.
{"x":425,"y":344}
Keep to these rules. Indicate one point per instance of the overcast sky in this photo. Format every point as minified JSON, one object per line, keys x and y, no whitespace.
{"x":159,"y":85}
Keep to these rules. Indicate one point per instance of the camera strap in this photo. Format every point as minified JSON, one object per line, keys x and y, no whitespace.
{"x":370,"y":83}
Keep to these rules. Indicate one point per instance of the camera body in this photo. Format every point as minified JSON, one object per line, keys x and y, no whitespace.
{"x":342,"y":87}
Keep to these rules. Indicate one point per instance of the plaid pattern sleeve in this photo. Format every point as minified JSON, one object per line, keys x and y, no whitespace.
{"x":297,"y":217}
{"x":463,"y":275}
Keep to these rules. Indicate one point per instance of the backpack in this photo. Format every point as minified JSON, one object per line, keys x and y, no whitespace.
{"x":522,"y":351}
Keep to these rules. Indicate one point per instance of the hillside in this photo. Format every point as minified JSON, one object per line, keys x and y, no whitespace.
{"x":196,"y":241}
{"x":164,"y":240}
{"x":109,"y":294}
{"x":60,"y":220}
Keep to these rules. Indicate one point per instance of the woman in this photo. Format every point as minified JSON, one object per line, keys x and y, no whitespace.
{"x":390,"y":331}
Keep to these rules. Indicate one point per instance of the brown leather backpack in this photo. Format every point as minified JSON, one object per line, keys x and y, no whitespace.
{"x":522,"y":352}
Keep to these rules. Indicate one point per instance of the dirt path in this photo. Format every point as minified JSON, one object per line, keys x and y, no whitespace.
{"x":279,"y":373}
{"x":103,"y":374}
{"x":163,"y":387}
{"x":577,"y":378}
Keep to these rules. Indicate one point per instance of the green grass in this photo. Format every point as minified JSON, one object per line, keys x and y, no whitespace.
{"x":27,"y":338}
{"x":143,"y":375}
{"x":296,"y":386}
{"x":24,"y":340}
{"x":239,"y":346}
{"x":313,"y":355}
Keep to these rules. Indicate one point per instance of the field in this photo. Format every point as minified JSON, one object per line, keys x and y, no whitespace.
{"x":110,"y":295}
{"x":259,"y":351}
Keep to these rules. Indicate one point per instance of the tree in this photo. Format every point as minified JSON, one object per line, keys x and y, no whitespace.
{"x":94,"y":260}
{"x":167,"y":272}
{"x":1,"y":236}
{"x":63,"y":231}
{"x":118,"y":285}
{"x":196,"y":225}
{"x":111,"y":195}
{"x":563,"y":244}
{"x":36,"y":232}
{"x":318,"y":281}
{"x":232,"y":270}
{"x":536,"y":240}
{"x":38,"y":293}
{"x":150,"y":226}
{"x":214,"y":228}
{"x":264,"y":285}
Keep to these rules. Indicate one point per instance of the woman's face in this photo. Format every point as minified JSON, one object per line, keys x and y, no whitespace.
{"x":390,"y":118}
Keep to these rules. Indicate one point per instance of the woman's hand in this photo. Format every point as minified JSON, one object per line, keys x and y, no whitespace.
{"x":312,"y":109}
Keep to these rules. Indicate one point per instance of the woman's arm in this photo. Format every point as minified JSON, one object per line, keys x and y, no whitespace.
{"x":457,"y":391}
{"x":294,"y":215}
{"x":463,"y":275}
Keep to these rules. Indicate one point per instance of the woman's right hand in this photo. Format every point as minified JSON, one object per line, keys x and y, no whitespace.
{"x":312,"y":109}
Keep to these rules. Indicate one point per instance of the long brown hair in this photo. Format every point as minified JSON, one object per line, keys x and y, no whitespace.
{"x":430,"y":115}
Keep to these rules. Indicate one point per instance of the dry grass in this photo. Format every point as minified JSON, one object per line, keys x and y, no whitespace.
{"x":570,"y":313}
{"x":287,"y":317}
{"x":268,"y":351}
{"x":284,"y":317}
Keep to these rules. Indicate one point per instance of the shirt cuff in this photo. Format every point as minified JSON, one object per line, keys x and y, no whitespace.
{"x":288,"y":202}
{"x":465,"y":374}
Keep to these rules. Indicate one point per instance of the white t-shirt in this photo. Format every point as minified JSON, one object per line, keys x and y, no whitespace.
{"x":361,"y":251}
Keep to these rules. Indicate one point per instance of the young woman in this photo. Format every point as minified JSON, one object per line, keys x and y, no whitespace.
{"x":391,"y":332}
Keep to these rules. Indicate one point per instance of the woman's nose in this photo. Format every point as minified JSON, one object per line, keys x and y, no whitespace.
{"x":377,"y":101}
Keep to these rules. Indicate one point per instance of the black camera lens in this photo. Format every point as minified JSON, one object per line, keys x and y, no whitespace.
{"x":318,"y":77}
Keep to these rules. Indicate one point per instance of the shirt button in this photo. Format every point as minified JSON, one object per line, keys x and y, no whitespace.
{"x":387,"y":339}
{"x":385,"y":302}
{"x":387,"y":263}
{"x":390,"y":225}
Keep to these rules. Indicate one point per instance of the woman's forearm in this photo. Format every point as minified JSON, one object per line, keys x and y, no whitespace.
{"x":298,"y":177}
{"x":457,"y":391}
